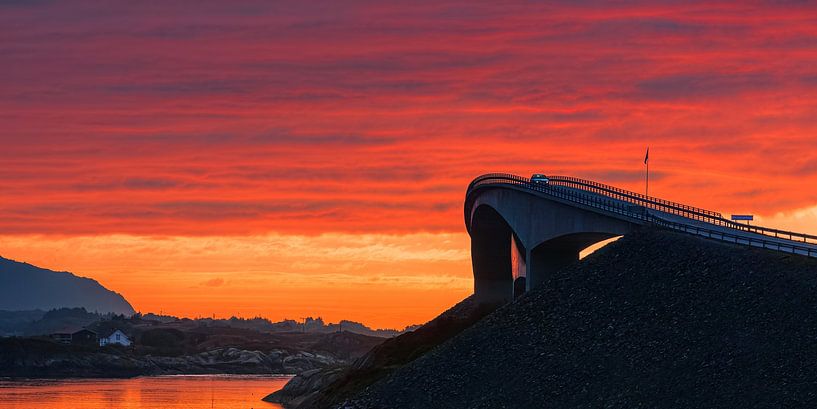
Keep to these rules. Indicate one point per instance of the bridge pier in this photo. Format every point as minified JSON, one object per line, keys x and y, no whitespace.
{"x":519,"y":240}
{"x":518,"y":267}
{"x":544,"y":261}
{"x":492,"y":244}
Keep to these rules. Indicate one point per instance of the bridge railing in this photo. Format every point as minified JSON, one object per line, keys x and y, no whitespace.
{"x":766,"y":231}
{"x":787,"y":247}
{"x":620,"y":195}
{"x":630,"y":205}
{"x":572,"y":195}
{"x":690,"y":212}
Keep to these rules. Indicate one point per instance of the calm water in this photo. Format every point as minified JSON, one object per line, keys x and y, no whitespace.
{"x":158,"y":392}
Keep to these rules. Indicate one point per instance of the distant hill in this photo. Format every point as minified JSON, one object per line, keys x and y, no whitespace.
{"x":27,"y":287}
{"x":309,"y":325}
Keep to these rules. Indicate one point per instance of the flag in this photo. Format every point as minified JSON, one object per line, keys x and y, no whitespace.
{"x":647,"y":156}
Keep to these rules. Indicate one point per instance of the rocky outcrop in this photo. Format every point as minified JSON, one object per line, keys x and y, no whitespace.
{"x":182,"y":347}
{"x":306,"y":386}
{"x":19,"y":358}
{"x":656,"y":319}
{"x":324,"y":388}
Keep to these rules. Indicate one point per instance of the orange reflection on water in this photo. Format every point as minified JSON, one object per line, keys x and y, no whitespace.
{"x":160,"y":392}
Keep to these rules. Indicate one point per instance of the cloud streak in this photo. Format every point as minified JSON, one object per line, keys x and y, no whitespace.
{"x":120,"y":117}
{"x":370,"y":118}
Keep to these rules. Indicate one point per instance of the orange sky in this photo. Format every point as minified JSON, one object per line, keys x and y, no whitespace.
{"x":293,"y":159}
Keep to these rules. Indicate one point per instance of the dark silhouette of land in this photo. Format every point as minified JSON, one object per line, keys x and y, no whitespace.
{"x":325,"y":387}
{"x":55,"y":324}
{"x":26,"y":287}
{"x":37,"y":322}
{"x":181,"y":346}
{"x":656,"y":319}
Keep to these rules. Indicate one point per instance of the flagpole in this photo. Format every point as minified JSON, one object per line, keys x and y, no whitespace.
{"x":647,"y":189}
{"x":647,"y":162}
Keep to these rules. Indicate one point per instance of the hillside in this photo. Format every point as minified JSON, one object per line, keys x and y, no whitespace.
{"x":171,"y":350}
{"x":655,"y":320}
{"x":26,"y":287}
{"x":323,"y":388}
{"x":176,"y":347}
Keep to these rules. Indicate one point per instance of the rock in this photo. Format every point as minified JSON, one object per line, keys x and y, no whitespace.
{"x":42,"y":358}
{"x":656,"y":319}
{"x":304,"y":386}
{"x":323,"y":389}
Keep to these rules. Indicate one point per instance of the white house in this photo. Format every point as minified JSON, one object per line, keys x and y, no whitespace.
{"x":117,"y":337}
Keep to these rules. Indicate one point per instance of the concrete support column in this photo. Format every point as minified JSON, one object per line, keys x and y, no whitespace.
{"x":544,"y":261}
{"x":493,"y":291}
{"x":491,"y":260}
{"x":520,"y":286}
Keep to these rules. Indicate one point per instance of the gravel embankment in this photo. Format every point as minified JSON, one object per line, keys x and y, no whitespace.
{"x":325,"y":388}
{"x":654,"y":320}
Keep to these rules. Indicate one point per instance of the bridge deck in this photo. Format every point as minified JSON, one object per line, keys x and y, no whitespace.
{"x":650,"y":210}
{"x":720,"y":232}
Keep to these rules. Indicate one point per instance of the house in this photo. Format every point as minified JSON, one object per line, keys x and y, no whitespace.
{"x":84,"y":337}
{"x":75,"y":336}
{"x":117,"y":337}
{"x":63,"y":337}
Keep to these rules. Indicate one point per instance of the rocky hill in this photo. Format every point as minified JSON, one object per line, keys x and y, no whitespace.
{"x":27,"y":287}
{"x":323,"y":388}
{"x":656,"y":319}
{"x":170,"y":351}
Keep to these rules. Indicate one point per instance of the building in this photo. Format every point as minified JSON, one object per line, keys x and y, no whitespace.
{"x":63,"y":337}
{"x":75,"y":336}
{"x":117,"y":337}
{"x":84,"y":337}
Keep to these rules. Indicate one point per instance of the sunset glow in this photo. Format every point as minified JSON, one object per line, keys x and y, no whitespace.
{"x":291,"y":160}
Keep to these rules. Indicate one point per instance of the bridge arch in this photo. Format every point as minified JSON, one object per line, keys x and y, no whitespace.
{"x":537,"y":227}
{"x":519,"y":236}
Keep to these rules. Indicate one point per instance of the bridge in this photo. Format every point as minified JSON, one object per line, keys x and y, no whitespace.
{"x":522,"y":231}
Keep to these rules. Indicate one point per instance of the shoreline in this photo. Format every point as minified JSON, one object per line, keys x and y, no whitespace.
{"x":190,"y":375}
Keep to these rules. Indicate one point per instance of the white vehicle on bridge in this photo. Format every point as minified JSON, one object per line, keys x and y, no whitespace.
{"x":539,"y":178}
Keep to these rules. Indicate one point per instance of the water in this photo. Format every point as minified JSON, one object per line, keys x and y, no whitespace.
{"x":156,"y":392}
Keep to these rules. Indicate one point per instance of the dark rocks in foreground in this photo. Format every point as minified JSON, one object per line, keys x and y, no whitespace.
{"x":654,"y":320}
{"x":326,"y":387}
{"x":306,"y":387}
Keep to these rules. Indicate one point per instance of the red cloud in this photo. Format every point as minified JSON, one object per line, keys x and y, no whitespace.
{"x":130,"y":118}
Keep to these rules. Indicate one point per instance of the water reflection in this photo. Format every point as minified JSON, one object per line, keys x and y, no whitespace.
{"x":160,"y":392}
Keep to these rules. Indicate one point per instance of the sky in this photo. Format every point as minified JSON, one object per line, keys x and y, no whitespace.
{"x":310,"y":158}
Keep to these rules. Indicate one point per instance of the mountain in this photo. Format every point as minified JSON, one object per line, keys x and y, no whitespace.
{"x":27,"y":287}
{"x":654,"y":320}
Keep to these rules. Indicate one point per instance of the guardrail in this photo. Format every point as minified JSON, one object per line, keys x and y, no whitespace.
{"x":575,"y":196}
{"x":794,"y":247}
{"x":634,"y":206}
{"x":690,"y":212}
{"x":647,"y":201}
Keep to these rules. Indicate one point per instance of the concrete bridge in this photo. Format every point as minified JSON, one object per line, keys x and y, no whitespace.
{"x":522,"y":231}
